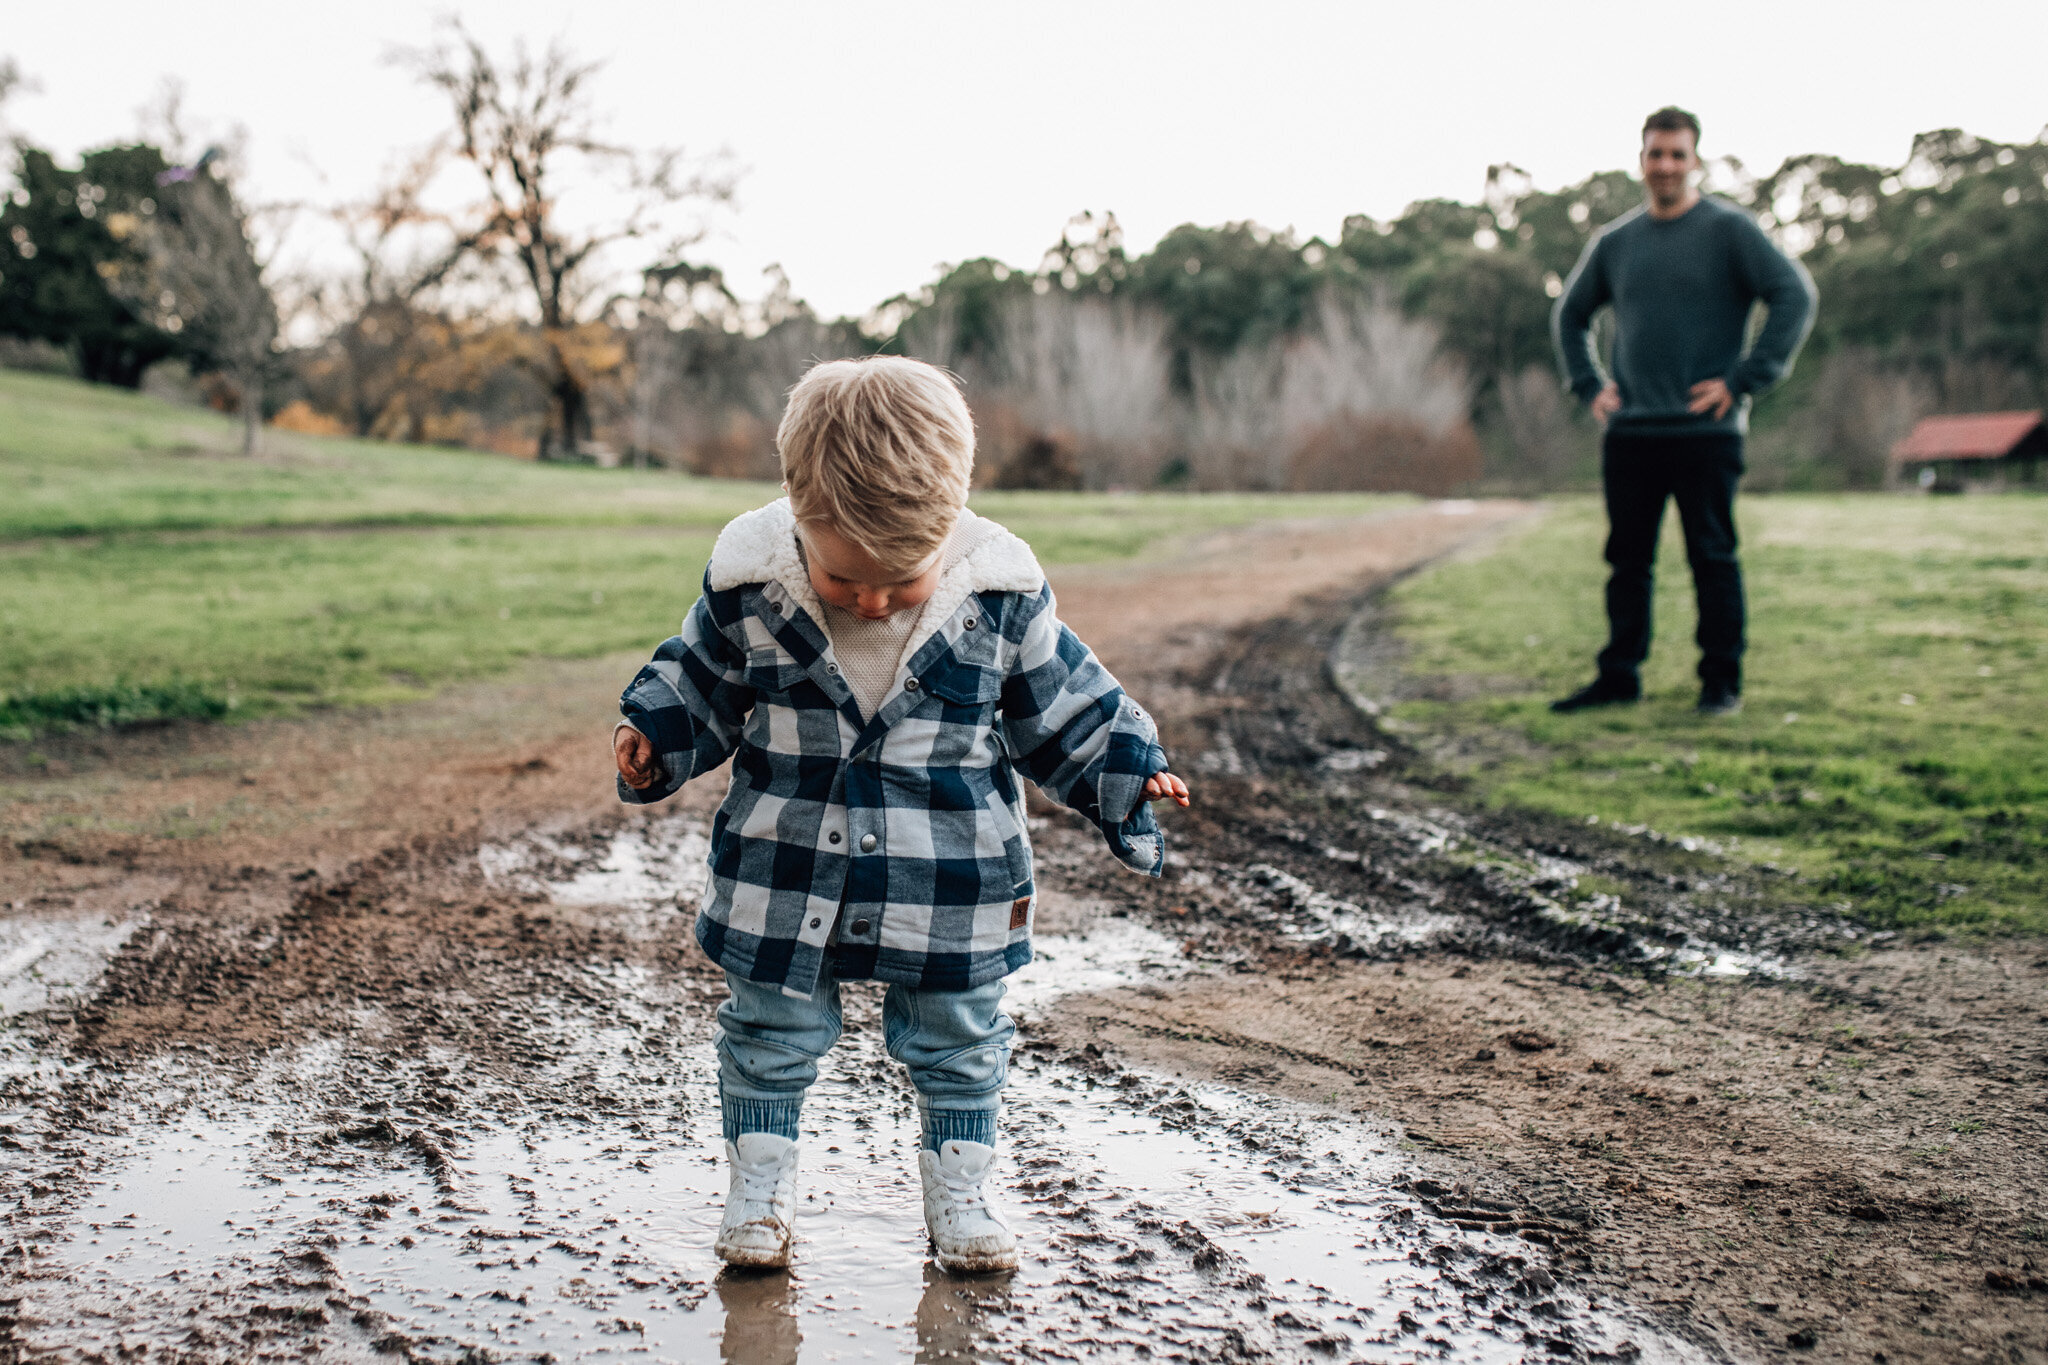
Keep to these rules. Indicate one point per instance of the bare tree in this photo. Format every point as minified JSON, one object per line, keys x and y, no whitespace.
{"x":1860,"y":408}
{"x":1364,"y":356}
{"x":518,"y":125}
{"x":1360,"y":363}
{"x":674,"y":297}
{"x":381,"y":323}
{"x":1537,"y":422}
{"x":1084,"y":376}
{"x":198,"y":276}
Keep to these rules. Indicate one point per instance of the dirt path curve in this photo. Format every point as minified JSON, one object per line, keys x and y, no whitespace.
{"x":490,"y":758}
{"x":365,"y":1036}
{"x":1798,"y":1138}
{"x":401,"y":1052}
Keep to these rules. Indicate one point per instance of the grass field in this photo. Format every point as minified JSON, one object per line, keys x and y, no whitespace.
{"x":1895,"y":741}
{"x":150,"y":571}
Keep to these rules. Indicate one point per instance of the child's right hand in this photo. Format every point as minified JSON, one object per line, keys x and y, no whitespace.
{"x":1164,"y":786}
{"x":636,"y":758}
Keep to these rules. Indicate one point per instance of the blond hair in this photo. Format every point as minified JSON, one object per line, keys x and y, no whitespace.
{"x":881,"y":450}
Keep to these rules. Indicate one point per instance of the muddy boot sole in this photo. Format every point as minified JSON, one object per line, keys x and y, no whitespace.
{"x":755,"y":1258}
{"x":993,"y":1263}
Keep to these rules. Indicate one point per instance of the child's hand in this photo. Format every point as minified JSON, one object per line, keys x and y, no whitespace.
{"x":1159,"y":786}
{"x":636,"y":758}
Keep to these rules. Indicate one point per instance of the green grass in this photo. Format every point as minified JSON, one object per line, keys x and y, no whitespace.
{"x":148,"y":571}
{"x":1894,"y":747}
{"x":276,"y":621}
{"x":80,"y":460}
{"x":121,"y":704}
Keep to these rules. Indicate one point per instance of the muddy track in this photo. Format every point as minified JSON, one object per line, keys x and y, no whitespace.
{"x":1366,"y":1076}
{"x":1608,"y":1075}
{"x":451,"y":1106}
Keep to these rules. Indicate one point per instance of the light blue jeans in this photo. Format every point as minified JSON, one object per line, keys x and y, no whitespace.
{"x":956,"y":1045}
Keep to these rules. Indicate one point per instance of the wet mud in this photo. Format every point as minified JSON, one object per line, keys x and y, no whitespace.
{"x":382,"y":1193}
{"x":1370,"y":1075}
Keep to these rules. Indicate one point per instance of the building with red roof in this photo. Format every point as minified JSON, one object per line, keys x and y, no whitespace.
{"x":1973,"y":450}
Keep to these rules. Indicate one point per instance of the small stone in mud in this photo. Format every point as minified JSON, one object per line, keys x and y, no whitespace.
{"x":1529,"y":1040}
{"x":1869,"y":1213}
{"x":1484,"y":1054}
{"x":1805,"y":1339}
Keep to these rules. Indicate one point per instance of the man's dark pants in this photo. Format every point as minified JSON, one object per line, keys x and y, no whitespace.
{"x":1699,"y":473}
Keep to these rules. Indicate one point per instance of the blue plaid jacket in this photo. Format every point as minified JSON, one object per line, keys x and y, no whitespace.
{"x":912,"y":820}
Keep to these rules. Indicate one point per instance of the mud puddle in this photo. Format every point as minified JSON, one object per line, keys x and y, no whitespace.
{"x":352,"y":1199}
{"x":50,"y":958}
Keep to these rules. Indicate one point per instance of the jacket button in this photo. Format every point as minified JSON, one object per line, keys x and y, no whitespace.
{"x":969,"y":624}
{"x":833,"y":836}
{"x":860,"y":926}
{"x":832,"y":669}
{"x":816,"y":922}
{"x":775,"y":607}
{"x":867,"y":843}
{"x":910,"y":684}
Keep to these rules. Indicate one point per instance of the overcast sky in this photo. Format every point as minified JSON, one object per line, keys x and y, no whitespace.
{"x":880,"y":139}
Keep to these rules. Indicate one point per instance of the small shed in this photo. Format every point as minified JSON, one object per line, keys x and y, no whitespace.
{"x":1973,"y":450}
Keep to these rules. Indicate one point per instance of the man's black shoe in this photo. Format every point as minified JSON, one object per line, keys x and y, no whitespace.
{"x":1718,"y":701}
{"x":1599,"y":692}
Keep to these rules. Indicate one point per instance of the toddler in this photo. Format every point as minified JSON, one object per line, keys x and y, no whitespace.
{"x":879,"y":664}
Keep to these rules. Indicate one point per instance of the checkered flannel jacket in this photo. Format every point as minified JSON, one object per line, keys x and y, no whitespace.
{"x":913,"y":820}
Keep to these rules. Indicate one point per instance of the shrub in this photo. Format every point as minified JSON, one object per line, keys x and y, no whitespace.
{"x":1384,"y":454}
{"x":121,"y":705}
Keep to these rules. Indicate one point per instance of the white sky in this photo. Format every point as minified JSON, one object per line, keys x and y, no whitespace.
{"x":882,"y":138}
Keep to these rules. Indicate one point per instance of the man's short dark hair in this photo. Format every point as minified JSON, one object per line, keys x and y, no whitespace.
{"x":1672,"y":119}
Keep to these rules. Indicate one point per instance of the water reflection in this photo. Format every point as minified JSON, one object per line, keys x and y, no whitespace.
{"x":760,"y":1317}
{"x":957,"y":1316}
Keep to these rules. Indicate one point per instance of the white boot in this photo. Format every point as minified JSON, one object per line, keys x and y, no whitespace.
{"x":969,"y":1233}
{"x":760,"y":1206}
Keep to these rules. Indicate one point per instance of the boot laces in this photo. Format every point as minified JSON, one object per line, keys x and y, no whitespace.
{"x":758,"y":1184}
{"x":966,"y":1191}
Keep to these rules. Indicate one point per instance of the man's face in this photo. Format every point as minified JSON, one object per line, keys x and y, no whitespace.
{"x":1669,"y":159}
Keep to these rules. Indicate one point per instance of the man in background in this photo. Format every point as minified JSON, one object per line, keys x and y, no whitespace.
{"x":1682,"y":273}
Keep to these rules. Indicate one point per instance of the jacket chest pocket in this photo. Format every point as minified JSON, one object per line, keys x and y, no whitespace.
{"x":771,"y":671}
{"x":964,"y":683}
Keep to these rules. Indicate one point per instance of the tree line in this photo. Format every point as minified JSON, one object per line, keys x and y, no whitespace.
{"x":1412,"y":352}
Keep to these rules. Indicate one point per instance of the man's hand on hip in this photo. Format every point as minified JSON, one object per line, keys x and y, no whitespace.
{"x":1711,"y":396}
{"x":1606,"y":403}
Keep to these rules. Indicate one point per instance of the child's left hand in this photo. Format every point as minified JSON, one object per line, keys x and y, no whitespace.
{"x":1160,"y":786}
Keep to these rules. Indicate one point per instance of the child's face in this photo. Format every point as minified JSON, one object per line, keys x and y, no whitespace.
{"x":846,"y":577}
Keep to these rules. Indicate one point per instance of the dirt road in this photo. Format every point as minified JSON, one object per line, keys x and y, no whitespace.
{"x":379,"y":1036}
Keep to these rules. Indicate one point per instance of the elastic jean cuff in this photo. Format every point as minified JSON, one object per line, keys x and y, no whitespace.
{"x":959,"y":1125}
{"x":761,"y":1116}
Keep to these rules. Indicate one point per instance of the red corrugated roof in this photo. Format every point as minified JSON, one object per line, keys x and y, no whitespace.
{"x":1972,"y":436}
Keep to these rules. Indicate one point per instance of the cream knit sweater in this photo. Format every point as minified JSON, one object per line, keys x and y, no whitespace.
{"x":871,"y":652}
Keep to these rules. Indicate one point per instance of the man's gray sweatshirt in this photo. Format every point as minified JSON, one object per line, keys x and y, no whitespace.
{"x":1682,"y":289}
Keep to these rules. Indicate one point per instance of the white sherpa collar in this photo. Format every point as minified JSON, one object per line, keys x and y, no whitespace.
{"x":760,"y":547}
